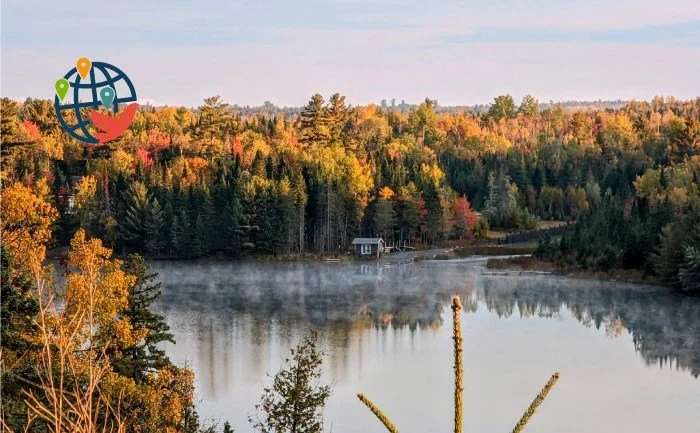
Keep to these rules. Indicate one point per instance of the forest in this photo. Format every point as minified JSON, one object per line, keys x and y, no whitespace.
{"x":82,"y":348}
{"x":219,"y":180}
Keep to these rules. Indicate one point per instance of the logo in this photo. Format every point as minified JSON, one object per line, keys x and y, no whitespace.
{"x":83,"y":91}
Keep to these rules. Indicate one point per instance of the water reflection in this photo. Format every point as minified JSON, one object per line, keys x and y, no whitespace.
{"x":665,"y":327}
{"x":264,"y":300}
{"x":383,"y":329}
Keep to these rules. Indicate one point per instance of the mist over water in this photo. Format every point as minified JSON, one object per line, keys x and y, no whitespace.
{"x":629,"y":355}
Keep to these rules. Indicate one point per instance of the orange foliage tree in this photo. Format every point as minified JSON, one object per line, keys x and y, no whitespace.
{"x":464,"y":218}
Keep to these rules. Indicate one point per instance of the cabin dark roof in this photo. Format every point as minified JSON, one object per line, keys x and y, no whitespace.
{"x":366,"y":241}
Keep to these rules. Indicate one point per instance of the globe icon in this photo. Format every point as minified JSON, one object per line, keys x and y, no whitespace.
{"x":73,"y":111}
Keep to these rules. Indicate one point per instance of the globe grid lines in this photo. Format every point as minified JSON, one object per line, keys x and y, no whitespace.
{"x":109,"y":80}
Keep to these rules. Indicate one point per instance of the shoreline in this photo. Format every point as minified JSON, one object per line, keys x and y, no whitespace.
{"x":435,"y":253}
{"x":533,"y":265}
{"x":500,"y":259}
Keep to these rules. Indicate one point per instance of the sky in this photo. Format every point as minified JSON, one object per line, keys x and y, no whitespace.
{"x":460,"y":52}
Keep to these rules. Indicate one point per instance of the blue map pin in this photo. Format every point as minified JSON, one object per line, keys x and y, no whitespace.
{"x":107,"y":96}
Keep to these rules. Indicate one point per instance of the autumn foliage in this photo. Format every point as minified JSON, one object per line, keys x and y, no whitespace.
{"x":464,"y":217}
{"x":64,"y":347}
{"x":230,"y":181}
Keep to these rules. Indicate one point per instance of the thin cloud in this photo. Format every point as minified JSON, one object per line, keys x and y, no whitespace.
{"x":685,"y":34}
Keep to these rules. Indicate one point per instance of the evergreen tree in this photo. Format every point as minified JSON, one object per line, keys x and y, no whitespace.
{"x":18,"y":306}
{"x":9,"y":124}
{"x":434,"y":218}
{"x":232,"y":223}
{"x":154,"y":229}
{"x":18,"y":322}
{"x":337,"y":114}
{"x":384,"y":218}
{"x":215,"y":119}
{"x":670,"y":255}
{"x":503,"y":107}
{"x":41,"y":112}
{"x":690,"y":269}
{"x":178,"y":233}
{"x":408,"y":213}
{"x":501,"y":200}
{"x":144,"y":357}
{"x":286,"y":216}
{"x":314,"y":122}
{"x":529,"y":107}
{"x":200,"y":244}
{"x":132,"y":225}
{"x":294,"y":403}
{"x":675,"y":259}
{"x":264,"y":217}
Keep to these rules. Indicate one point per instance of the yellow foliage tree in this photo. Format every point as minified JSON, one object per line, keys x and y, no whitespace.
{"x":99,"y":288}
{"x":26,"y":226}
{"x":85,"y":200}
{"x":76,"y":389}
{"x":75,"y":335}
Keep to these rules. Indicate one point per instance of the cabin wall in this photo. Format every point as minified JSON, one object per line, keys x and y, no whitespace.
{"x":374,"y":250}
{"x":370,"y":250}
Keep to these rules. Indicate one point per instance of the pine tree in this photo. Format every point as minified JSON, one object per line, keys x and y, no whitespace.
{"x":384,"y":218}
{"x":529,"y":107}
{"x":231,"y":230}
{"x":503,"y":107}
{"x":337,"y":117}
{"x":18,"y":322}
{"x":132,"y":225}
{"x":154,"y":229}
{"x":41,"y":112}
{"x":314,"y":122}
{"x":227,"y":427}
{"x":408,"y":213}
{"x":200,"y":244}
{"x":434,"y":218}
{"x":178,"y":236}
{"x":208,"y":212}
{"x":501,"y":201}
{"x":689,"y":273}
{"x":670,"y":254}
{"x":215,"y":119}
{"x":295,"y":401}
{"x":18,"y":306}
{"x":264,"y":222}
{"x":9,"y":124}
{"x":136,"y":361}
{"x":287,"y":215}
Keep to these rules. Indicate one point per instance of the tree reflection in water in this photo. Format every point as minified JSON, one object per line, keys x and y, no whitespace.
{"x":341,"y":297}
{"x":665,"y":326}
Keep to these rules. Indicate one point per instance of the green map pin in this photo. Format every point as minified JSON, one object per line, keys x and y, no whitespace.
{"x":62,"y":85}
{"x":107,"y":96}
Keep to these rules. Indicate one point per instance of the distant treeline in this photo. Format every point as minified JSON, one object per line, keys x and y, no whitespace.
{"x":270,"y":109}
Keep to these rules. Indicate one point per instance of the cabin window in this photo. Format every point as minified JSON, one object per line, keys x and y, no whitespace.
{"x":366,"y":249}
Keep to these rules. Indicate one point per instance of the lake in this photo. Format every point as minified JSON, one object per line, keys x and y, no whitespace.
{"x":629,"y":356}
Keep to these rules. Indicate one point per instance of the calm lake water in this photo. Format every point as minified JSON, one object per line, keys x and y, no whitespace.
{"x":629,"y":355}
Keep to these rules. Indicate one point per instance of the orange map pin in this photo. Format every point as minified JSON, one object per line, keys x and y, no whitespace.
{"x":83,"y":66}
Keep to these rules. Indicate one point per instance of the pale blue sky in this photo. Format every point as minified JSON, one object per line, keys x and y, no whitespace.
{"x":459,"y":52}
